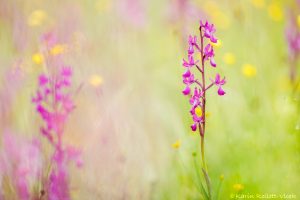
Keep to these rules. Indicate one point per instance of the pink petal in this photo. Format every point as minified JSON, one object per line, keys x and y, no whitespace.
{"x":222,"y":82}
{"x":194,"y":127}
{"x":217,"y":79}
{"x":207,"y":33}
{"x":191,"y":50}
{"x":187,"y":73}
{"x":66,"y":71}
{"x":43,"y":80}
{"x":213,"y":39}
{"x":185,"y":63}
{"x":186,"y":90}
{"x":221,"y":92}
{"x":191,"y":60}
{"x":212,"y":62}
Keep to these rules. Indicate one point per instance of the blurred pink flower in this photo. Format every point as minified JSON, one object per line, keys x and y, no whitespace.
{"x":49,"y":39}
{"x":59,"y":185}
{"x":54,"y":103}
{"x":52,"y":91}
{"x":22,"y":162}
{"x":292,"y":35}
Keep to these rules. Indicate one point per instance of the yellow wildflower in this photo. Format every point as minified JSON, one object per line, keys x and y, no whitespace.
{"x":298,"y":21}
{"x":95,"y":80}
{"x":238,"y":187}
{"x":249,"y":70}
{"x":229,"y":58}
{"x":38,"y":58}
{"x":217,"y":44}
{"x":198,"y":111}
{"x":177,"y":144}
{"x":36,"y":18}
{"x":275,"y":11}
{"x":58,"y":49}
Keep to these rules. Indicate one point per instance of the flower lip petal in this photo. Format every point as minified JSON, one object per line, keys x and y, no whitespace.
{"x":221,"y":92}
{"x":212,"y":62}
{"x":194,"y":127}
{"x":186,"y":90}
{"x":187,"y":73}
{"x":213,"y":39}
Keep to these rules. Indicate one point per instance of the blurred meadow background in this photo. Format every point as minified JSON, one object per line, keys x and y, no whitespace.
{"x":131,"y":121}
